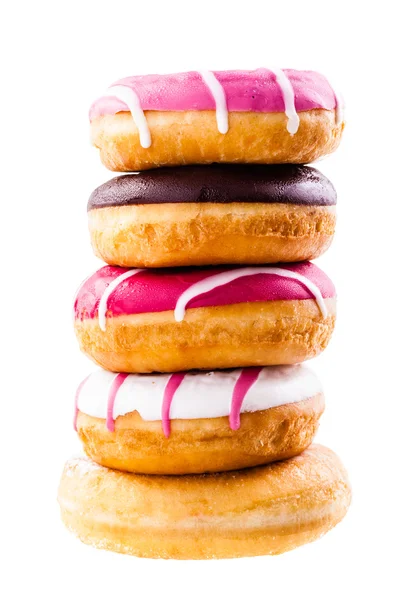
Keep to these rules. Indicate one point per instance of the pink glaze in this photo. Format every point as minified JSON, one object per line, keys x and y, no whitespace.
{"x":173,"y":383}
{"x":159,"y":290}
{"x":116,"y":384}
{"x":246,"y":379}
{"x":78,"y":391}
{"x":255,"y":91}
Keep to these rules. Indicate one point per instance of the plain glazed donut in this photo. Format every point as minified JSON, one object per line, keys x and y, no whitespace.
{"x":197,"y":422}
{"x":264,"y":510}
{"x":139,"y":321}
{"x":262,"y":116}
{"x":210,"y":215}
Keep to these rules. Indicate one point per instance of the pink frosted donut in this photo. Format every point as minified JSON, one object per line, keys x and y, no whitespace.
{"x":199,"y":117}
{"x":134,"y":320}
{"x":245,"y":91}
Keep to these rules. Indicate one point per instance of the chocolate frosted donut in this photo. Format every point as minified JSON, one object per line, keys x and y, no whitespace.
{"x":222,"y":184}
{"x":213,"y":215}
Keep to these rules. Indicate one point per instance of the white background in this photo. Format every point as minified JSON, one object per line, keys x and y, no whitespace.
{"x":57,"y":57}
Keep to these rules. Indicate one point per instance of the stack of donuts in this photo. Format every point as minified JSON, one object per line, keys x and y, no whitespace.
{"x":198,"y":426}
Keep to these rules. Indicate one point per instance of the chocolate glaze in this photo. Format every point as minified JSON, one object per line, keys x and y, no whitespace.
{"x":283,"y":184}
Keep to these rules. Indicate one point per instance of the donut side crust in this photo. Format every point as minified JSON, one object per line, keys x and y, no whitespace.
{"x":265,"y":510}
{"x":172,"y":235}
{"x":201,"y":445}
{"x":217,"y":337}
{"x":192,"y":137}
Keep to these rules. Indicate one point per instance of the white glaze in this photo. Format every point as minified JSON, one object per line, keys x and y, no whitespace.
{"x":131,"y":99}
{"x":209,"y":283}
{"x":107,"y":293}
{"x":218,"y":93}
{"x":201,"y":395}
{"x":288,"y":99}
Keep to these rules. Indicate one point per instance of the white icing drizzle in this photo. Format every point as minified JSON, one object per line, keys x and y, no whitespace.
{"x":131,"y":99}
{"x":288,"y":99}
{"x":209,"y":283}
{"x":200,"y":395}
{"x":218,"y":93}
{"x":339,"y":107}
{"x":339,"y":110}
{"x":107,"y":293}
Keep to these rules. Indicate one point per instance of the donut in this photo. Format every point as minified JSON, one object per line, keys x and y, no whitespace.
{"x":266,"y":116}
{"x":133,"y":320}
{"x":197,"y":422}
{"x":212,"y":215}
{"x":169,"y":320}
{"x":263,"y":510}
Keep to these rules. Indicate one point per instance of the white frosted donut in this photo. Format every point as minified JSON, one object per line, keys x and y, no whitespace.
{"x":198,"y":421}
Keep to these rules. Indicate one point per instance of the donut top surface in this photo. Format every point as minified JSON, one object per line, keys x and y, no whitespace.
{"x":291,"y":184}
{"x":113,"y":291}
{"x":198,"y":395}
{"x":261,"y":90}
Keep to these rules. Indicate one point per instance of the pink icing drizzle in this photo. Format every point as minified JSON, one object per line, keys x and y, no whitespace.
{"x":159,"y":290}
{"x":116,"y":384}
{"x":173,"y":383}
{"x":246,"y":379}
{"x":255,"y":91}
{"x":78,"y":391}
